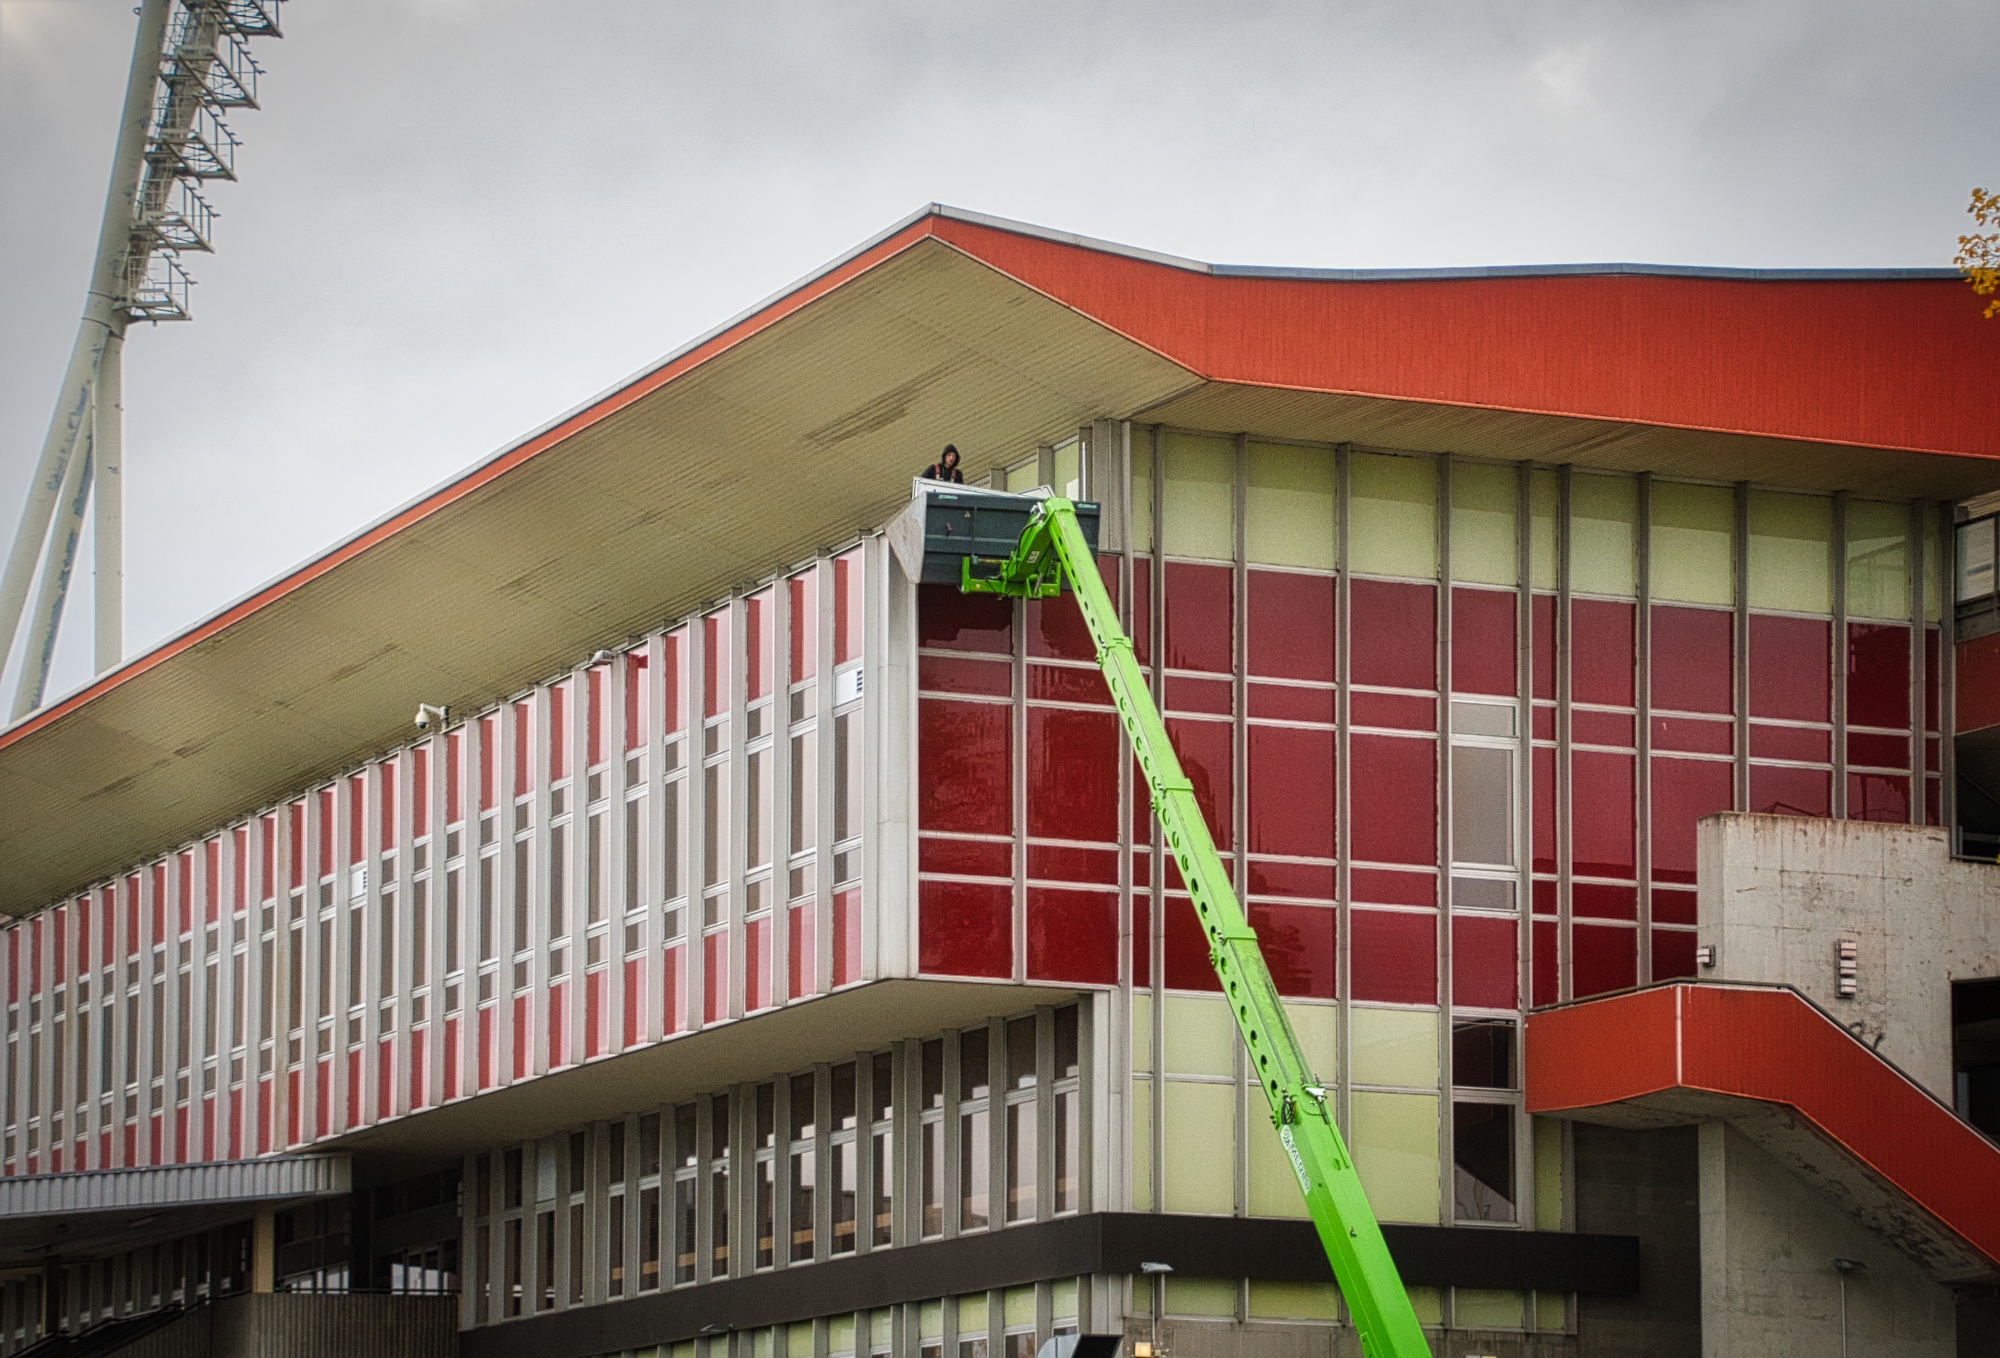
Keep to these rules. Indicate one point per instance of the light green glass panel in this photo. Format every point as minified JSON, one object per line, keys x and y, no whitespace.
{"x":1293,"y":1301}
{"x":685,"y":1349}
{"x":1317,"y":1027}
{"x":1395,"y":1146}
{"x":1068,"y":480}
{"x":880,"y":1327}
{"x":972,"y":1313}
{"x":1934,"y":568}
{"x":1200,"y":1150}
{"x":1392,"y":522}
{"x":1199,"y":1035}
{"x":1693,"y":536}
{"x":1394,"y":1047}
{"x":1479,"y":1308}
{"x":1200,"y":1296}
{"x":1878,"y":560}
{"x":840,"y":1333}
{"x":1200,"y":517}
{"x":1603,"y":535}
{"x":930,"y":1320}
{"x":1791,"y":552}
{"x":1483,"y":520}
{"x":1274,"y":1188}
{"x":1428,"y":1303}
{"x":1025,"y":475}
{"x":1142,"y":1032}
{"x":760,"y":1343}
{"x":1543,"y":495}
{"x":1548,"y":1174}
{"x":1141,"y":1105}
{"x":1142,"y":491}
{"x":1063,"y":1300}
{"x":1551,"y":1311}
{"x":1018,"y":1305}
{"x":1288,"y":507}
{"x":798,"y":1339}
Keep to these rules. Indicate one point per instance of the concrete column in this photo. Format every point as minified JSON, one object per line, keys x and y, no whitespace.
{"x":264,"y":1251}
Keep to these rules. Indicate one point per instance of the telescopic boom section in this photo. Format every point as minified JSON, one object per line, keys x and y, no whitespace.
{"x":1052,"y":548}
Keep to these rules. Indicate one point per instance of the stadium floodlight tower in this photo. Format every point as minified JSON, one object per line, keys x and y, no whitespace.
{"x":191,"y":63}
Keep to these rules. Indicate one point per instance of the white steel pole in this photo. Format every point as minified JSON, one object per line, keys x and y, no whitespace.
{"x":43,"y":623}
{"x":107,"y":502}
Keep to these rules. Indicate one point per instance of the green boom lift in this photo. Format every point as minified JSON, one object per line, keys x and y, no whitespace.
{"x":1053,"y":546}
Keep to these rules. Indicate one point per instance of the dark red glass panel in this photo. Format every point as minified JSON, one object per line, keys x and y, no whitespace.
{"x":1933,"y":757}
{"x":1072,"y":775}
{"x":1601,"y":659}
{"x":1933,"y":801}
{"x":1285,"y":702}
{"x":1385,"y":886}
{"x":1803,"y":743}
{"x":1067,"y":684}
{"x":1291,"y":634}
{"x":1484,"y":962}
{"x":1072,"y":936}
{"x":1931,"y":680}
{"x":1066,"y":863}
{"x":1542,"y":722}
{"x":1399,"y":623}
{"x":1394,"y":956}
{"x":1599,"y":900}
{"x":1291,"y":791}
{"x":1542,"y":893}
{"x":1394,"y":799}
{"x":1542,"y":765}
{"x":1878,"y":796}
{"x":1878,"y":751}
{"x":1199,"y":617}
{"x":1142,"y":610}
{"x":804,"y":640}
{"x":1694,"y":659}
{"x":1694,"y":737}
{"x":1602,"y":814}
{"x":1546,"y":969}
{"x":1790,"y":674}
{"x":1203,"y":747}
{"x":953,"y":621}
{"x":1602,"y":957}
{"x":848,"y":610}
{"x":1484,"y":658}
{"x":965,"y":857}
{"x":1790,"y":792}
{"x":1310,"y":881}
{"x":1673,"y":907}
{"x":1298,"y":946}
{"x":1588,"y":727}
{"x":1186,"y":962}
{"x":1685,"y":790}
{"x":1878,"y":675}
{"x":950,"y":674}
{"x":1055,"y":626}
{"x":1396,"y":711}
{"x":965,"y":928}
{"x":1141,"y":942}
{"x":1199,"y":695}
{"x":1542,"y":641}
{"x":964,"y":767}
{"x":1673,"y":954}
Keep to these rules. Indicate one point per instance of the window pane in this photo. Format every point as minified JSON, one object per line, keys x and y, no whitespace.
{"x":1791,"y":552}
{"x":974,"y":1166}
{"x":1200,"y":1152}
{"x":1790,"y":674}
{"x":1482,"y":1054}
{"x":1396,"y":1153}
{"x":1693,"y":660}
{"x":1288,"y":506}
{"x":1483,"y":1161}
{"x":1482,"y":523}
{"x":1200,"y":518}
{"x":1603,"y":514}
{"x":1392,"y":524}
{"x":1482,"y":808}
{"x":1022,"y":1160}
{"x":1692,"y":532}
{"x":1542,"y":497}
{"x":1878,"y":560}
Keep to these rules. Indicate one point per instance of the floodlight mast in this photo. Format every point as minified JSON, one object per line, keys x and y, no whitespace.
{"x":190,"y":62}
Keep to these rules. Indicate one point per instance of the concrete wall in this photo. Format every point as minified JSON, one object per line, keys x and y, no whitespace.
{"x":1642,"y":1183}
{"x":1777,"y":892}
{"x":1768,"y":1285}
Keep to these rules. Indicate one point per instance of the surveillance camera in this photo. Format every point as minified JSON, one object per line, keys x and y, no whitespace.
{"x":428,"y":716}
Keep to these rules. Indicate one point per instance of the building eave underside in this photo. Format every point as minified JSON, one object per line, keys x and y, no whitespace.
{"x":789,"y":440}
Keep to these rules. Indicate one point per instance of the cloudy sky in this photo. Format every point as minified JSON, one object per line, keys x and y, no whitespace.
{"x":458,"y":218}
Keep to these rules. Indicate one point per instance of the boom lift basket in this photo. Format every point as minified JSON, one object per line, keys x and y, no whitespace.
{"x":946,"y":524}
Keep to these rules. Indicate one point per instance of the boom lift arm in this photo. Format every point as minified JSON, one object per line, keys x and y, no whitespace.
{"x":1053,"y":547}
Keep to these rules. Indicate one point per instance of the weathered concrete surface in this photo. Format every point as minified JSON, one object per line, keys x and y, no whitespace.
{"x":1768,"y":1285}
{"x":1642,"y":1183}
{"x":1776,"y":893}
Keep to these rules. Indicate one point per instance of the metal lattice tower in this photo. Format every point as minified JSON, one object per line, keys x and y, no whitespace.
{"x":191,"y":64}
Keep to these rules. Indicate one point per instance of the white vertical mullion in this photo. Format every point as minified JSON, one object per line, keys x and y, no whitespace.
{"x":694,"y":815}
{"x":576,"y":884}
{"x":654,"y":1019}
{"x":1447,"y":849}
{"x":738,"y":812}
{"x":782,"y":847}
{"x":823,"y":686}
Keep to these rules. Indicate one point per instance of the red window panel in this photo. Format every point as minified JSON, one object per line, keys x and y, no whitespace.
{"x":1602,"y":814}
{"x":1298,"y":942}
{"x":673,"y":989}
{"x":757,"y":964}
{"x":1484,"y":656}
{"x":559,"y":712}
{"x":322,"y":1111}
{"x":1542,"y":722}
{"x":1933,"y":801}
{"x":1205,"y":755}
{"x":386,"y":779}
{"x":1067,"y":863}
{"x":1601,"y":651}
{"x":1055,"y":626}
{"x":1393,"y":711}
{"x":846,"y":937}
{"x":267,"y":836}
{"x":385,"y":1078}
{"x":1673,"y":954}
{"x":1306,"y":881}
{"x":1216,"y":696}
{"x":952,"y":621}
{"x":1590,"y":727}
{"x":1542,"y":644}
{"x":1802,"y":743}
{"x":184,"y":893}
{"x":637,"y":667}
{"x":595,"y":679}
{"x":1542,"y":773}
{"x":965,"y":929}
{"x":524,"y":763}
{"x":420,"y":1086}
{"x":1689,"y":736}
{"x":1072,"y":774}
{"x":757,"y":657}
{"x":803,"y":649}
{"x":1878,"y":675}
{"x":1141,"y":943}
{"x":965,"y":857}
{"x":964,"y":767}
{"x":1603,"y":957}
{"x":523,"y":1036}
{"x":1543,"y":895}
{"x":558,"y":1051}
{"x":715,"y":668}
{"x":1685,"y":790}
{"x":452,"y":1089}
{"x":1072,"y":936}
{"x":1779,"y":791}
{"x":1399,"y":622}
{"x":454,"y":764}
{"x":1291,"y":791}
{"x":1791,"y":676}
{"x":1603,"y":900}
{"x":1872,"y":750}
{"x":715,"y":977}
{"x":802,"y":953}
{"x":1673,"y":907}
{"x":1291,"y":626}
{"x":1879,"y":796}
{"x":298,"y":840}
{"x":1186,"y":949}
{"x":953,"y":674}
{"x":1394,"y":956}
{"x":848,"y":611}
{"x":1393,"y":799}
{"x":1142,"y":610}
{"x":1200,"y":614}
{"x":1485,"y":953}
{"x":1694,"y":659}
{"x":1931,"y":682}
{"x":1289,"y":702}
{"x":671,"y":680}
{"x":1068,"y":684}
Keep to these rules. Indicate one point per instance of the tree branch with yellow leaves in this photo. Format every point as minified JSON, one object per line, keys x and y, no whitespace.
{"x":1979,"y":256}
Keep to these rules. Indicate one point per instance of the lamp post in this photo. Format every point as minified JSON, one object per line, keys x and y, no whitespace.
{"x":1843,"y":1267}
{"x":1158,"y":1273}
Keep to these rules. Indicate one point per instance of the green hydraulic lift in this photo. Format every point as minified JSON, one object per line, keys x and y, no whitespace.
{"x":1026,"y":547}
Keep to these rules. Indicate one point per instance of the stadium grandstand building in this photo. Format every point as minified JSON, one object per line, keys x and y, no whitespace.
{"x":1591,"y":674}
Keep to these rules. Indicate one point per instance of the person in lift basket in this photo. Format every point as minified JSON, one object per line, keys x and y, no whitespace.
{"x":946,"y":467}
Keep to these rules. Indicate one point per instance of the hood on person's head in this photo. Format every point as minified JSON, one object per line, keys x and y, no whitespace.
{"x":949,"y":458}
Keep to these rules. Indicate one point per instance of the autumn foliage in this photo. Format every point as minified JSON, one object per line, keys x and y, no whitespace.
{"x":1979,"y":256}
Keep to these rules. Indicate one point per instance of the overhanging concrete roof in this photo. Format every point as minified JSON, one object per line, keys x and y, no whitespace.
{"x":799,"y":423}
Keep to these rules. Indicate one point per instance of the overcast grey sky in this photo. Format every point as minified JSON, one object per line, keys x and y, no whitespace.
{"x":457,"y":218}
